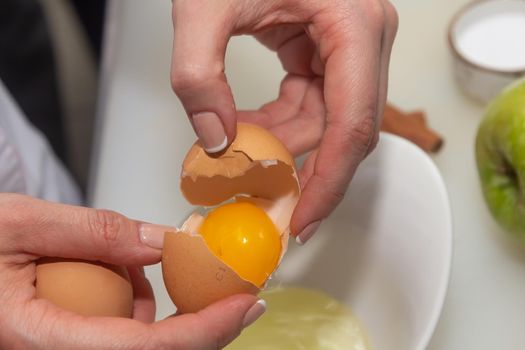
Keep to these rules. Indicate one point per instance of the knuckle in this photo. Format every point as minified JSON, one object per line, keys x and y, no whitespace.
{"x":146,"y":340}
{"x":213,"y":336}
{"x":6,"y":198}
{"x":391,"y":16}
{"x":357,"y":136}
{"x":373,"y":143}
{"x":221,"y":339}
{"x":376,"y":11}
{"x":336,"y":196}
{"x":333,"y":194}
{"x":10,"y":200}
{"x":362,"y":133}
{"x":14,"y":208}
{"x":373,"y":14}
{"x":185,"y":77}
{"x":105,"y":226}
{"x":151,"y":342}
{"x":364,"y":130}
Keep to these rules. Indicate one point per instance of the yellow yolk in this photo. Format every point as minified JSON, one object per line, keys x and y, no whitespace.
{"x":245,"y":239}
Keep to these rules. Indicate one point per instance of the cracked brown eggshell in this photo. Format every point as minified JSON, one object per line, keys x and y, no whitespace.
{"x":257,"y":168}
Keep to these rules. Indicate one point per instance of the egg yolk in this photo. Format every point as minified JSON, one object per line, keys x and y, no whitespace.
{"x":245,"y":239}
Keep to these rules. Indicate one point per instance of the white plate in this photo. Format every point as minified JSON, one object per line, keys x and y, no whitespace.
{"x":387,"y":249}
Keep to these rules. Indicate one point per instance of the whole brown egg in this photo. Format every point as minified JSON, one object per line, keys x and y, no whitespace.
{"x":85,"y":287}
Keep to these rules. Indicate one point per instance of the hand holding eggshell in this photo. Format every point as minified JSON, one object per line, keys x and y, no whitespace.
{"x":46,"y":316}
{"x":335,"y":55}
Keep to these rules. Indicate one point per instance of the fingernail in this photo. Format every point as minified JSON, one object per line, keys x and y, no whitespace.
{"x":153,"y":235}
{"x":254,"y":313}
{"x":307,"y":232}
{"x":210,"y":130}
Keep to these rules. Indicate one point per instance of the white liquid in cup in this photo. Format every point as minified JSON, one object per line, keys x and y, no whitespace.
{"x":492,"y":35}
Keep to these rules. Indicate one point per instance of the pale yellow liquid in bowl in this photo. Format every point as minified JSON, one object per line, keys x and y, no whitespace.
{"x":302,"y":319}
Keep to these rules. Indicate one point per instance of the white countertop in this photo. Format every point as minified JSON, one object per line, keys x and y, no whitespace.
{"x":143,"y":135}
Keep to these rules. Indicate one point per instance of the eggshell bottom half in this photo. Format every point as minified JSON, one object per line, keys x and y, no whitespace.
{"x":86,"y":288}
{"x":194,"y":277}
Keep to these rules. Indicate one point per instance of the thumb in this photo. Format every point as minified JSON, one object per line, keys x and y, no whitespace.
{"x":210,"y":329}
{"x":214,"y":327}
{"x":201,"y":33}
{"x":50,"y":229}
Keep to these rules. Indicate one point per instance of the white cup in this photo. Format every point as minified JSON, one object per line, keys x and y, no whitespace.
{"x":487,"y":40}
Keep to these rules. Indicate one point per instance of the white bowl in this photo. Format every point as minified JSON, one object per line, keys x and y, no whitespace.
{"x":386,"y":251}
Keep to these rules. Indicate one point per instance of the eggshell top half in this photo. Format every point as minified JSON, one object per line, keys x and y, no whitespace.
{"x":256,"y":164}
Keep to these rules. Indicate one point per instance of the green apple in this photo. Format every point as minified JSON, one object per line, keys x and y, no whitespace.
{"x":500,"y":156}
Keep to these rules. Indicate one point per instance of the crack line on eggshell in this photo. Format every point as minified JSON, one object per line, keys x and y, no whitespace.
{"x":265,"y":163}
{"x":244,"y":153}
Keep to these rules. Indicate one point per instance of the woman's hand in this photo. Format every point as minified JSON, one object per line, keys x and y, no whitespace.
{"x":336,"y":55}
{"x":30,"y":229}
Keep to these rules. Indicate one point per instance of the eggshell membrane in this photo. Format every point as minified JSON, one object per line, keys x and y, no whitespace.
{"x":256,"y":168}
{"x":87,"y":288}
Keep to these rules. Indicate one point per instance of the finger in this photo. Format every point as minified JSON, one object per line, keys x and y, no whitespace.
{"x":43,"y":228}
{"x":294,"y":48}
{"x":143,"y":299}
{"x":213,"y":327}
{"x":201,"y":33}
{"x":277,"y":36}
{"x":305,"y":173}
{"x":43,"y":325}
{"x":389,"y":33}
{"x":352,"y":59}
{"x":307,"y":170}
{"x":285,"y":107}
{"x":296,"y":117}
{"x":303,"y":133}
{"x":291,"y":60}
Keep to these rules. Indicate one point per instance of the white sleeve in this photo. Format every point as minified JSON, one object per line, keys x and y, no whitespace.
{"x":27,"y":162}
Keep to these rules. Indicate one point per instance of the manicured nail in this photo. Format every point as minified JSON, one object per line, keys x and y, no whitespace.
{"x":307,"y":232}
{"x":210,"y":130}
{"x":254,"y":313}
{"x":153,"y":235}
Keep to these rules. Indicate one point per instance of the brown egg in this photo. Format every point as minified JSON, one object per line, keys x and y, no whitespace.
{"x":256,"y":168}
{"x":87,"y":288}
